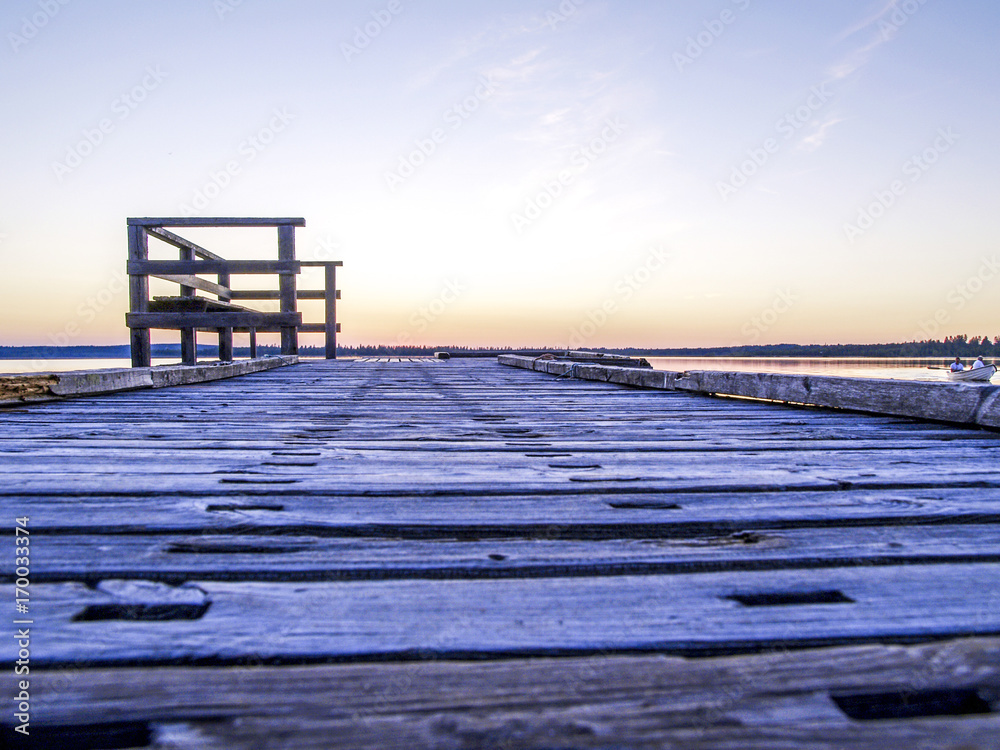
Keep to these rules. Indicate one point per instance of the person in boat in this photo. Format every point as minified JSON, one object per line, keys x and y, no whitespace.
{"x":978,"y":363}
{"x":957,"y":365}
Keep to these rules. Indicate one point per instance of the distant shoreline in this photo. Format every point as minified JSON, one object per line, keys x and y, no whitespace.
{"x":956,"y":346}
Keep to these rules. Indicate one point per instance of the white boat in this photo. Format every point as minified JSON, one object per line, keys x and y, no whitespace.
{"x":974,"y":375}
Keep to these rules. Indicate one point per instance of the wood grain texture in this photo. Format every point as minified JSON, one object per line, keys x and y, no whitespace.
{"x":778,"y":699}
{"x":331,"y":543}
{"x":962,"y":403}
{"x":206,"y":221}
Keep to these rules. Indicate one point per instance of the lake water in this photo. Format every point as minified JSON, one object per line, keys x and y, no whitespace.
{"x":19,"y":366}
{"x":899,"y":369}
{"x":861,"y":367}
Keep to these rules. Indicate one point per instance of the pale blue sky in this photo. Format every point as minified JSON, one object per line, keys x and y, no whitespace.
{"x":602,"y":173}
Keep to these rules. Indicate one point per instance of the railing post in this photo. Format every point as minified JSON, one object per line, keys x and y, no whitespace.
{"x":189,"y":337}
{"x":286,"y":288}
{"x":225,"y":334}
{"x":331,"y":311}
{"x":138,"y":292}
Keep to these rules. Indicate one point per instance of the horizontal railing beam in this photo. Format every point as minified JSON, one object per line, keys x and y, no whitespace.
{"x":214,"y":320}
{"x":322,"y":262}
{"x":192,"y":267}
{"x":315,"y":328}
{"x":274,"y":294}
{"x":179,"y":242}
{"x":223,"y":292}
{"x":194,"y":221}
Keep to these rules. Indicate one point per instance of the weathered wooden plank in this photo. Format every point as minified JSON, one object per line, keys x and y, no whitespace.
{"x":247,"y":319}
{"x":949,"y":402}
{"x":287,"y":289}
{"x":274,"y":509}
{"x":196,"y":282}
{"x":182,"y":244}
{"x":317,"y":328}
{"x":330,"y":310}
{"x":138,"y":292}
{"x":16,"y":390}
{"x":782,"y":699}
{"x":680,"y":613}
{"x":284,"y":556}
{"x":191,"y":267}
{"x":205,"y":221}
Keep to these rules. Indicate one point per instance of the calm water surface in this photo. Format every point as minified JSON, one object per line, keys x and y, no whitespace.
{"x":861,"y":367}
{"x":19,"y":366}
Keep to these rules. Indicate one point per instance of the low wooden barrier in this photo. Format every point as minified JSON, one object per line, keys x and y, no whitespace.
{"x":190,"y":313}
{"x":961,"y":403}
{"x":16,"y":390}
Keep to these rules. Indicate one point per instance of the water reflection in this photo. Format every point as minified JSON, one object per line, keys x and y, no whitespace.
{"x":857,"y":367}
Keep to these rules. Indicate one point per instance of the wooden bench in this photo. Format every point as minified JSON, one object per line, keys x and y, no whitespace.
{"x":189,"y":313}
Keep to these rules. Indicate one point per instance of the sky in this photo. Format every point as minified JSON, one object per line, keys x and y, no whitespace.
{"x":551,"y":173}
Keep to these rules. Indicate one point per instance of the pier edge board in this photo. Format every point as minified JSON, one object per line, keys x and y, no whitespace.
{"x":958,"y":403}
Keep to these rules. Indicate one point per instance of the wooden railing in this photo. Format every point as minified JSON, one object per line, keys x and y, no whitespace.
{"x":189,"y":313}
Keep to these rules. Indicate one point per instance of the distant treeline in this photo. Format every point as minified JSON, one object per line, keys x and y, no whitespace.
{"x":952,"y":346}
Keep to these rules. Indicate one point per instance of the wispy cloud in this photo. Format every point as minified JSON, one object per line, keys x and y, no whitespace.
{"x":815,"y":139}
{"x":858,"y":58}
{"x":866,"y":23}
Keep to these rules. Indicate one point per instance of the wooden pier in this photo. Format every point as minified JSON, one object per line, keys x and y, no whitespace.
{"x":457,"y":554}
